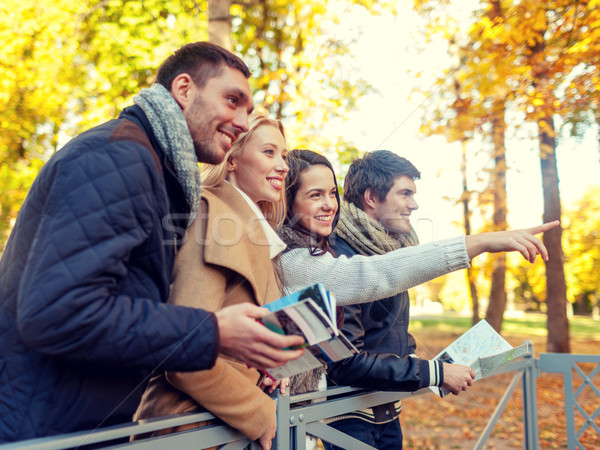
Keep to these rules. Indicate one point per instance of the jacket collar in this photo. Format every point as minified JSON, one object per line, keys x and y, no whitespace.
{"x":276,"y":245}
{"x":234,"y":239}
{"x":178,"y":205}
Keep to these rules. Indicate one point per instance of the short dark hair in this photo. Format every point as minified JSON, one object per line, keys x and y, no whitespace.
{"x":298,"y":161}
{"x":201,"y":60}
{"x":376,"y":171}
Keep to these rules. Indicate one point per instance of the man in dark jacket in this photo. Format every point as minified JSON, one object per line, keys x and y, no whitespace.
{"x":379,"y":194}
{"x":85,"y":275}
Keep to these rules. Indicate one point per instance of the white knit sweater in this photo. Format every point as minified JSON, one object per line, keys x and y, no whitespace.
{"x":362,"y":279}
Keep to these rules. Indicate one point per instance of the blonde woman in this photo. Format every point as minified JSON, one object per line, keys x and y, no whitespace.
{"x":225,"y":260}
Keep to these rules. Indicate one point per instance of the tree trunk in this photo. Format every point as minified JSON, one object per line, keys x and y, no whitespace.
{"x":219,"y":23}
{"x":467,"y":224}
{"x":556,"y":286}
{"x":497,"y":304}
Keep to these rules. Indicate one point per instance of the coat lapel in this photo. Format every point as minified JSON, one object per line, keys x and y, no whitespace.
{"x":235,"y":240}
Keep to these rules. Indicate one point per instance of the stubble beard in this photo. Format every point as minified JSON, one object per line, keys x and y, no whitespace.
{"x":207,"y":151}
{"x":399,"y":228}
{"x":203,"y":138}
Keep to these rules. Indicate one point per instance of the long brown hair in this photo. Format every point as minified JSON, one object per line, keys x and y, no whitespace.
{"x":298,"y":161}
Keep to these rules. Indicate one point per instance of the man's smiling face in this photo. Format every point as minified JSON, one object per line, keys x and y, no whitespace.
{"x":394,"y":211}
{"x":218,"y":113}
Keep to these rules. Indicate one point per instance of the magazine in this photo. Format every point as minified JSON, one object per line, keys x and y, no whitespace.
{"x":482,"y":349}
{"x":311,"y":313}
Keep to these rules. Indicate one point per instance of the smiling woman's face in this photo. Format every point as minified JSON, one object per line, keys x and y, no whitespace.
{"x":260,"y":169}
{"x":315,"y":204}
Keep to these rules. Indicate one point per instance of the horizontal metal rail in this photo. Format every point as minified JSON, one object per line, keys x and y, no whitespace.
{"x":309,"y":413}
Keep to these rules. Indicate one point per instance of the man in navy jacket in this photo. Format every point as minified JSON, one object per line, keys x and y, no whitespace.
{"x":85,"y":275}
{"x":379,"y":194}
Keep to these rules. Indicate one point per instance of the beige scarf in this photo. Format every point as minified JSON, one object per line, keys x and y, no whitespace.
{"x":367,"y":236}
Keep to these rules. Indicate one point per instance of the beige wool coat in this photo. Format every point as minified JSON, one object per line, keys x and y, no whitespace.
{"x":223,"y":261}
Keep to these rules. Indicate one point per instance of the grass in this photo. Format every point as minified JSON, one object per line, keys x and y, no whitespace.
{"x":530,"y":324}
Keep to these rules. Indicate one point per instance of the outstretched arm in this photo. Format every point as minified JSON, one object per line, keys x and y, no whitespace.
{"x":523,"y":241}
{"x":362,"y":279}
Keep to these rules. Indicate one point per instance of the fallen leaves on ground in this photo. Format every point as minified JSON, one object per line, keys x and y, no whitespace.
{"x":456,"y":422}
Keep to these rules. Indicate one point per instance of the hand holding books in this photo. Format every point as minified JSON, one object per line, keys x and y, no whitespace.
{"x":242,"y":338}
{"x":309,"y":313}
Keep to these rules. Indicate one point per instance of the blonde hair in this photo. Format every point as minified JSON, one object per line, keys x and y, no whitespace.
{"x":212,"y":175}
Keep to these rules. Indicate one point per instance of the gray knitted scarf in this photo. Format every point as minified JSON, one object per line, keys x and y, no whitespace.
{"x":171,"y":130}
{"x":367,"y":236}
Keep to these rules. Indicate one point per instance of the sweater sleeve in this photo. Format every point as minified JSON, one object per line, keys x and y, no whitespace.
{"x":361,"y":279}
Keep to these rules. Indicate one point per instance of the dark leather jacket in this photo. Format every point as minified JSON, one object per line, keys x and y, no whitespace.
{"x":380,"y":332}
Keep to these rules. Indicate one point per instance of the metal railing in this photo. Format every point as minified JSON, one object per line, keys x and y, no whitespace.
{"x":570,"y":369}
{"x":295,"y":421}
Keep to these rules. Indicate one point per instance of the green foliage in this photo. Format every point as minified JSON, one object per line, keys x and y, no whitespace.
{"x":582,"y":246}
{"x":451,"y":291}
{"x":538,"y":58}
{"x":581,"y":242}
{"x":76,"y":64}
{"x":15,"y":181}
{"x":66,"y":66}
{"x":37,"y":73}
{"x":122,"y":43}
{"x":528,"y":325}
{"x":528,"y":284}
{"x":302,"y":73}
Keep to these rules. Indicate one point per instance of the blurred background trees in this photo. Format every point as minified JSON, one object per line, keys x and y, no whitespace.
{"x":520,"y":57}
{"x":66,"y":66}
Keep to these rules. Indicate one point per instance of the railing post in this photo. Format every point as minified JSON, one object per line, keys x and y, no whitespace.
{"x":530,"y":419}
{"x":282,"y":436}
{"x":570,"y":402}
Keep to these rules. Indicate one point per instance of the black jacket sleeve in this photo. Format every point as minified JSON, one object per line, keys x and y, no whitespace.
{"x":381,"y":371}
{"x":412,"y":344}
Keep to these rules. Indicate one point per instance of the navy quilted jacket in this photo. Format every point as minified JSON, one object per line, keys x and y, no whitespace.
{"x":83,"y":283}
